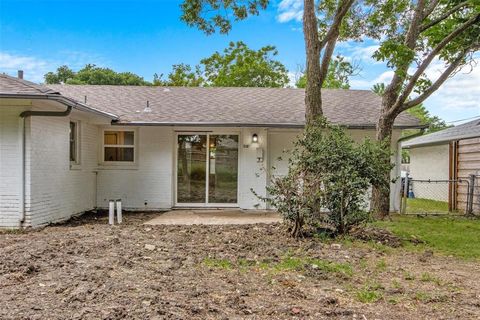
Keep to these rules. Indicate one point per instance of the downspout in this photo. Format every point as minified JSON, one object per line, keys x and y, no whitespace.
{"x":399,"y":161}
{"x":24,"y":115}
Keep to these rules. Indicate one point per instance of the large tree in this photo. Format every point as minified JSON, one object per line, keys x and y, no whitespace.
{"x":323,"y":24}
{"x":413,"y":35}
{"x":91,"y":74}
{"x":236,"y":66}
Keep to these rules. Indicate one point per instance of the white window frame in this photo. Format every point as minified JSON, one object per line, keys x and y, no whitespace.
{"x":134,"y":147}
{"x":74,"y":164}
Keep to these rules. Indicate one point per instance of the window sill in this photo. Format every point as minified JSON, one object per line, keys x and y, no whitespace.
{"x":75,"y":167}
{"x":118,"y":166}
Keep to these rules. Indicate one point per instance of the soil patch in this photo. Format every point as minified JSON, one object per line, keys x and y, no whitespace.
{"x":85,"y":269}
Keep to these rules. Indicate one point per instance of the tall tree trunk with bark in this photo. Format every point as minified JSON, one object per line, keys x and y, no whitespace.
{"x":313,"y":89}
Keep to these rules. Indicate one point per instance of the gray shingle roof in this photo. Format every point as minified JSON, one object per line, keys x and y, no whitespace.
{"x":228,"y":106}
{"x":463,"y":131}
{"x":11,"y":85}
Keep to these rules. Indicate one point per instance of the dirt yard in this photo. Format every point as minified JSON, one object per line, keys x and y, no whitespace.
{"x":86,"y":269}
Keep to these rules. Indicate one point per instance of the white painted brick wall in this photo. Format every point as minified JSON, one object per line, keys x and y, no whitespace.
{"x":149,"y":181}
{"x":55,"y":192}
{"x":10,"y":166}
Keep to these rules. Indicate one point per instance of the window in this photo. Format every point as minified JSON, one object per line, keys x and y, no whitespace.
{"x":118,"y":146}
{"x":74,"y":142}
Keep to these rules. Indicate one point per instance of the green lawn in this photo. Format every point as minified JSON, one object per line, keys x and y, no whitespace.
{"x":419,"y":205}
{"x":448,"y":235}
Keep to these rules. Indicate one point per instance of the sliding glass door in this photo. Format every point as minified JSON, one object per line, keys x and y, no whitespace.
{"x":207,"y":169}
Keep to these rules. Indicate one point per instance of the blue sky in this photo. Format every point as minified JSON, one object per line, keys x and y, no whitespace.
{"x":147,"y":37}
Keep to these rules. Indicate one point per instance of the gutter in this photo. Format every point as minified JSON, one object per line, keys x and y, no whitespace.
{"x":240,"y":124}
{"x":61,"y":99}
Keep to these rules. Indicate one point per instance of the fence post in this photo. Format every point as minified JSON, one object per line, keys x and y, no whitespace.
{"x":471,"y":190}
{"x":403,"y":208}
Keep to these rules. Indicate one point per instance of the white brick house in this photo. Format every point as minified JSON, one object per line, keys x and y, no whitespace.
{"x":155,"y":148}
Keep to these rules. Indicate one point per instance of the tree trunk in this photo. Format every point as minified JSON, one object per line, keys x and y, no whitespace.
{"x":313,"y":88}
{"x":381,"y":195}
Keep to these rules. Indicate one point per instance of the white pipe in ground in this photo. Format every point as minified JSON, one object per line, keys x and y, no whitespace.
{"x":119,"y":210}
{"x":111,"y":211}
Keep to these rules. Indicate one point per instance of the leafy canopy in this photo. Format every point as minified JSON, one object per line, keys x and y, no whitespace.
{"x":91,"y":74}
{"x":236,"y":66}
{"x":338,"y":75}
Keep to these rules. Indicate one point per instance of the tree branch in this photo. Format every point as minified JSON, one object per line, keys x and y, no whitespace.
{"x":391,"y":91}
{"x":443,"y":16}
{"x":426,"y":62}
{"x":340,"y":13}
{"x":428,"y":10}
{"x":434,"y":87}
{"x":331,"y":37}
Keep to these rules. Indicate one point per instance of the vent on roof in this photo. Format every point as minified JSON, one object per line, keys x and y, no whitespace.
{"x":20,"y":74}
{"x":147,"y":108}
{"x":166,"y":90}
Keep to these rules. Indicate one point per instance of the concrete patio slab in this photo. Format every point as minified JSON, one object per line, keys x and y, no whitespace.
{"x":215,"y":217}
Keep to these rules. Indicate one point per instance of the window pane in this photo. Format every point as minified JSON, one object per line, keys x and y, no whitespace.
{"x":73,"y":141}
{"x":191,"y":168}
{"x":223,"y":164}
{"x":118,"y":154}
{"x":119,"y":137}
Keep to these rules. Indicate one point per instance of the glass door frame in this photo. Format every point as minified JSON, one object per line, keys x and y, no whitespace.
{"x":205,"y":204}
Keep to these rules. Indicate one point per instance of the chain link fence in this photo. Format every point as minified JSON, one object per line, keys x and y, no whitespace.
{"x":441,"y":197}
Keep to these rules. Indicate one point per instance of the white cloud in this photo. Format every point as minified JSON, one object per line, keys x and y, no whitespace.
{"x":35,"y":67}
{"x":289,"y":10}
{"x":385,"y":77}
{"x":460,"y":92}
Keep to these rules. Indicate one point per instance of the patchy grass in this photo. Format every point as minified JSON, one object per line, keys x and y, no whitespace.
{"x":456,"y":236}
{"x":369,"y":293}
{"x":419,"y":205}
{"x":218,"y":263}
{"x":288,"y":263}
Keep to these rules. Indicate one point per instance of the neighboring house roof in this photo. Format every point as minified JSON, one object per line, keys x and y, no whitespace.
{"x":463,"y":131}
{"x":275,"y":107}
{"x":15,"y":88}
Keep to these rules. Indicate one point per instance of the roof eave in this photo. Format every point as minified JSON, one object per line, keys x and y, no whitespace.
{"x":62,"y":99}
{"x":240,"y":124}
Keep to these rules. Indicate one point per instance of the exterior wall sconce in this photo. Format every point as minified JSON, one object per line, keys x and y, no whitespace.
{"x":254,"y":138}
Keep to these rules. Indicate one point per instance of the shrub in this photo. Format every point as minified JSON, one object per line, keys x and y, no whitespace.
{"x":328,"y":180}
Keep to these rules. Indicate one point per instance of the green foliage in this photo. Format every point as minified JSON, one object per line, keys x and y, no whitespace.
{"x":390,"y":21}
{"x":237,"y":66}
{"x":339,"y":72}
{"x":328,"y":179}
{"x":240,"y":66}
{"x":91,"y":74}
{"x":369,"y":294}
{"x":182,"y":75}
{"x":213,"y":15}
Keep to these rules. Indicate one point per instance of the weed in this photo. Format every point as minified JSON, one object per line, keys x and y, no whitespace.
{"x":381,"y":265}
{"x":422,"y":296}
{"x":218,"y":263}
{"x":427,"y":277}
{"x":369,"y":294}
{"x":408,"y":276}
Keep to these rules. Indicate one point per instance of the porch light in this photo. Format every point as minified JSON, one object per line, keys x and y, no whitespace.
{"x":255,"y":138}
